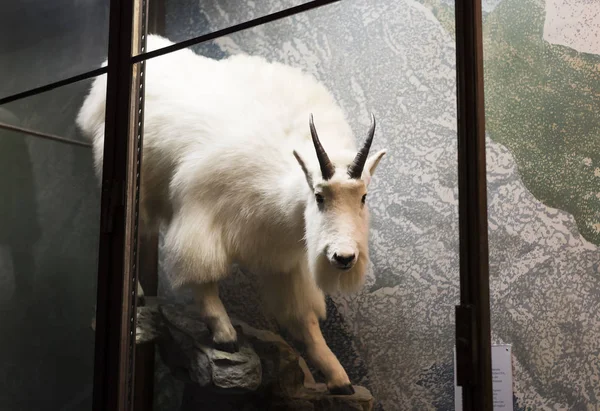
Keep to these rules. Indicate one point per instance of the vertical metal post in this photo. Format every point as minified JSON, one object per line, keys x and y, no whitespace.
{"x":473,"y":342}
{"x":148,"y":257}
{"x":142,"y":362}
{"x":116,"y":296}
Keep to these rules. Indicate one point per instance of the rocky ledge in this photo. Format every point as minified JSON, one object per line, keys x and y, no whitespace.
{"x":265,"y":374}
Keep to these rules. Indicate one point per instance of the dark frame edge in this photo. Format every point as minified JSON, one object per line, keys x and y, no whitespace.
{"x":151,"y":16}
{"x":473,"y":331}
{"x":112,"y":373}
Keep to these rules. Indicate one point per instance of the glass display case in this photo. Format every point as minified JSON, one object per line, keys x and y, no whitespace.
{"x":385,"y":58}
{"x":141,"y":143}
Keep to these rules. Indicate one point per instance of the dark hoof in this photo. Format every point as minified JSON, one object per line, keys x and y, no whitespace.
{"x":230,"y":347}
{"x":343,"y":390}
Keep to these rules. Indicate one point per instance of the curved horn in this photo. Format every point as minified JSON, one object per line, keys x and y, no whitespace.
{"x":356,"y":168}
{"x":327,"y":169}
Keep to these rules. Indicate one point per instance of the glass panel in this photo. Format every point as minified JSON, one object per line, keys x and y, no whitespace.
{"x":52,"y":113}
{"x":49,"y":229}
{"x":542,"y":88}
{"x":183,"y":20}
{"x":46,"y":41}
{"x":395,"y":336}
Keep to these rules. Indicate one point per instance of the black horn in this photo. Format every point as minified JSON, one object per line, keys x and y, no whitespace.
{"x":327,"y":169}
{"x":356,"y":168}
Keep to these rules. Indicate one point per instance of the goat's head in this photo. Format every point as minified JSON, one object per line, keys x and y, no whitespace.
{"x":336,"y":215}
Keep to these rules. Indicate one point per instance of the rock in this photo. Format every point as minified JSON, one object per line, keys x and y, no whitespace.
{"x":150,"y":325}
{"x":190,"y":348}
{"x":317,"y":398}
{"x":266,"y":374}
{"x":168,"y":392}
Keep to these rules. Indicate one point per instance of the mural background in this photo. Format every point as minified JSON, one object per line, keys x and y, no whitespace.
{"x":397,"y":59}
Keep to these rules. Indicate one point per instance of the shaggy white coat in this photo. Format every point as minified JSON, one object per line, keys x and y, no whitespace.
{"x":219,"y":173}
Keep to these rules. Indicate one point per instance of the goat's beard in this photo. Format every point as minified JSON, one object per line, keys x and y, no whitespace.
{"x":331,"y":279}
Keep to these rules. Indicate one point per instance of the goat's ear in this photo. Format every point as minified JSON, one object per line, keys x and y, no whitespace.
{"x":373,"y":161}
{"x":309,"y":179}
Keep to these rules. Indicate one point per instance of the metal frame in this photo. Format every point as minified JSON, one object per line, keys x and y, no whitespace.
{"x":115,"y":352}
{"x":473,"y":341}
{"x":148,"y":264}
{"x":117,"y":279}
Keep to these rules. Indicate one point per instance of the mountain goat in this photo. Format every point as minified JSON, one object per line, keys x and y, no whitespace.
{"x":230,"y":171}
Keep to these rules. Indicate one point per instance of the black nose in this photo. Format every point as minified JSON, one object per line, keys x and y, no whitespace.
{"x":344,"y":259}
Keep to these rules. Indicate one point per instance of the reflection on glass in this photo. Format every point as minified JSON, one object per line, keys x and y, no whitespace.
{"x":184,"y":20}
{"x":47,"y":41}
{"x":394,"y":338}
{"x":20,"y":225}
{"x":542,"y":88}
{"x":46,"y":118}
{"x":49,"y":227}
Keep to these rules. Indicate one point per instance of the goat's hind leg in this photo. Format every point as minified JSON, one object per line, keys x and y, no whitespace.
{"x":200,"y":261}
{"x":214,"y":314}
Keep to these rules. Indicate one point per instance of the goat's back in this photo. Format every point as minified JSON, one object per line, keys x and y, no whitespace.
{"x":223,"y":131}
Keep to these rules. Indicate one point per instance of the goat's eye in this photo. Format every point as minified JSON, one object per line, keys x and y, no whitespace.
{"x":319,"y":198}
{"x":364,"y":198}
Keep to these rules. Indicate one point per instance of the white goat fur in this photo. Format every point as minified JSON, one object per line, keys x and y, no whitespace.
{"x":220,"y":174}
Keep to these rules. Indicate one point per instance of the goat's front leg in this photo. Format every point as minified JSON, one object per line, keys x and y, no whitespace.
{"x":319,"y":353}
{"x":297,"y":304}
{"x":216,"y":318}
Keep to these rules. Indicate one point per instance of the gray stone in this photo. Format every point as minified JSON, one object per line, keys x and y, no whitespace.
{"x":168,"y":390}
{"x":316,"y":398}
{"x":149,"y":324}
{"x":188,"y":346}
{"x":266,"y":373}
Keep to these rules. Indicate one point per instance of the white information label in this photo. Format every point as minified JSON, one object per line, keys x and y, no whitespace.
{"x":502,"y":379}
